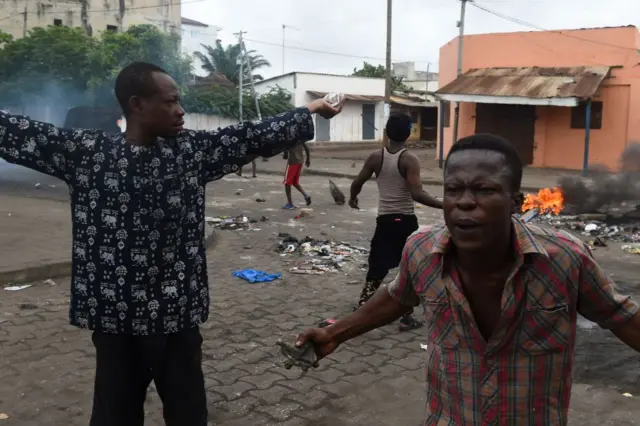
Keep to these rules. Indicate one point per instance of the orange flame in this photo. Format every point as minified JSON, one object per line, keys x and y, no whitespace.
{"x":546,"y":201}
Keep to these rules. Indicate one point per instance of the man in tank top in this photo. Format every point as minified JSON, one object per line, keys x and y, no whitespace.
{"x":399,"y":186}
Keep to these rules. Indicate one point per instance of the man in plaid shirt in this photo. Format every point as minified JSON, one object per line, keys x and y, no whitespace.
{"x":500,"y":297}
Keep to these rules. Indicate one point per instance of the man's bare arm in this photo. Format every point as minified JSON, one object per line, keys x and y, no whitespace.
{"x":307,"y":154}
{"x":365,"y":174}
{"x":415,"y":184}
{"x":629,"y":332}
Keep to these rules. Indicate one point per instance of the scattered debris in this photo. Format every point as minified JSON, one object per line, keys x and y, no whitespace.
{"x":17,"y":287}
{"x":529,"y":215}
{"x":604,"y":227}
{"x":37,"y":185}
{"x":28,"y":306}
{"x":260,"y":200}
{"x":338,"y":196}
{"x":239,"y":223}
{"x":4,"y":416}
{"x":628,"y":395}
{"x":305,"y":213}
{"x":239,"y":191}
{"x":247,"y":247}
{"x":256,"y":276}
{"x":631,"y":248}
{"x":328,"y":256}
{"x":423,"y":346}
{"x":50,"y":282}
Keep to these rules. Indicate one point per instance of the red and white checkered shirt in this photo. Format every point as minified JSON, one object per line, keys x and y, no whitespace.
{"x":522,"y":375}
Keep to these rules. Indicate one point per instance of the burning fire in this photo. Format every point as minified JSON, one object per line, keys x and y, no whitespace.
{"x":546,"y":201}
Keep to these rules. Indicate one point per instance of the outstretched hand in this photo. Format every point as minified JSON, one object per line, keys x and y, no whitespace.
{"x":324,"y":108}
{"x":323,"y":342}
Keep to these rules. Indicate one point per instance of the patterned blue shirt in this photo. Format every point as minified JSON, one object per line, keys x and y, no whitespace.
{"x":138,"y":258}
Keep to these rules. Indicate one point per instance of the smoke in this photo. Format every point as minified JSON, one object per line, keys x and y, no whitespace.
{"x":602,"y":188}
{"x":46,"y":99}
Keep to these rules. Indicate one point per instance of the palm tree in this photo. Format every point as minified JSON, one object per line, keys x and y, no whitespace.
{"x":223,"y":60}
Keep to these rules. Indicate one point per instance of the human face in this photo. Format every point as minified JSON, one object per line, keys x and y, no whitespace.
{"x":161,"y":114}
{"x":478,"y":201}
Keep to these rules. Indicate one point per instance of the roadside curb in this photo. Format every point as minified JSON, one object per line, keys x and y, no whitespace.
{"x":40,"y":273}
{"x":336,"y":175}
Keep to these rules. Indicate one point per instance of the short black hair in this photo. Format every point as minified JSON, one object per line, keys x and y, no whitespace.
{"x":398,"y":127}
{"x":135,"y":79}
{"x":489,"y":142}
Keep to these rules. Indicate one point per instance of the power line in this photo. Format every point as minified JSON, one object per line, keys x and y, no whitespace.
{"x":326,"y":52}
{"x":537,"y":27}
{"x":50,"y":12}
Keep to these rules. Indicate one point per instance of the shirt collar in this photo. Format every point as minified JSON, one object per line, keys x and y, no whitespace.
{"x":524,"y":243}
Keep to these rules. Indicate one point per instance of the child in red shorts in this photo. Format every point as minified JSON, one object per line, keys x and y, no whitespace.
{"x":295,"y":159}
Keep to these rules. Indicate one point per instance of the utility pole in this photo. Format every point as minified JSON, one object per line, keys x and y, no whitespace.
{"x":387,"y":86}
{"x":240,"y":76}
{"x":24,"y":22}
{"x":284,"y":29}
{"x":253,"y":85}
{"x":456,"y":114}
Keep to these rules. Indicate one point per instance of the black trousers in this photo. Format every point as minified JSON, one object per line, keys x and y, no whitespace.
{"x":389,"y":238}
{"x":126,"y":365}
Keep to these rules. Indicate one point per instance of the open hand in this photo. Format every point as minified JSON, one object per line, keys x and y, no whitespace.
{"x":324,"y":108}
{"x":322,"y":340}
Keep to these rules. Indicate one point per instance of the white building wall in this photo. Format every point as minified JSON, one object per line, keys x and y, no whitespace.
{"x":346,"y":127}
{"x":422,"y":85}
{"x":193,"y":37}
{"x":195,"y":121}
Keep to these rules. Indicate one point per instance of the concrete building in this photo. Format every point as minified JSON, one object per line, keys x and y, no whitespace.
{"x":566,"y":99}
{"x":94,"y":16}
{"x":415,"y":79}
{"x":363,"y":116}
{"x":193,"y":35}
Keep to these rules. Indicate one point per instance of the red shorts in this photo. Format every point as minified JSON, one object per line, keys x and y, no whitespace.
{"x":292,"y":174}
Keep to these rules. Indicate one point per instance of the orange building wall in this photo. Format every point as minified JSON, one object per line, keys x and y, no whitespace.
{"x":556,"y":144}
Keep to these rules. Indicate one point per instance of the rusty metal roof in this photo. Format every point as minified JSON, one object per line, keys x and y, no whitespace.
{"x":532,"y":82}
{"x":358,"y":98}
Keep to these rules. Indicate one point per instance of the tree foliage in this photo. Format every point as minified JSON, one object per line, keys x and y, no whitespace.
{"x":225,"y":60}
{"x":379,"y":71}
{"x":64,"y":67}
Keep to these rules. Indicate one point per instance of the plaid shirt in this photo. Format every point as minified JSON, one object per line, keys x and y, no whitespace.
{"x":522,"y":375}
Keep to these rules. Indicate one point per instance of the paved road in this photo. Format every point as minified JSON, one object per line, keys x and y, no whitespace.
{"x":46,"y":366}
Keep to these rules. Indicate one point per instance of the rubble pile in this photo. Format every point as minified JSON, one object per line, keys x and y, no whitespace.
{"x":317,"y":257}
{"x":238,"y":223}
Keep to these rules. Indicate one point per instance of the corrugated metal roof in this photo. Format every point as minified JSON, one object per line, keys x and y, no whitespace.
{"x":412,"y":102}
{"x":531,"y":82}
{"x":358,"y":98}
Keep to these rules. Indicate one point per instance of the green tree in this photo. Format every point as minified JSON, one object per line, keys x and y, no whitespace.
{"x":225,"y":60}
{"x":379,"y":71}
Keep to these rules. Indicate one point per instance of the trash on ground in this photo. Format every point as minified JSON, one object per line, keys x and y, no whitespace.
{"x":423,"y":346}
{"x":28,"y":306}
{"x":239,"y":192}
{"x":321,"y":255}
{"x":37,"y":185}
{"x":306,"y":212}
{"x":338,"y":196}
{"x":256,"y":276}
{"x":50,"y":282}
{"x":4,"y":416}
{"x":628,"y":395}
{"x":631,"y":248}
{"x":238,"y":223}
{"x":17,"y":287}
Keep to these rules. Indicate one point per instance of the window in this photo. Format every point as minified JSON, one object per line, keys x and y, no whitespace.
{"x":579,"y":115}
{"x":57,"y":22}
{"x":446,"y":107}
{"x":112,"y":28}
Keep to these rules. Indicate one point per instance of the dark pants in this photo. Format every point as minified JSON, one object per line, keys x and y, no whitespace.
{"x":389,"y":238}
{"x":126,"y":365}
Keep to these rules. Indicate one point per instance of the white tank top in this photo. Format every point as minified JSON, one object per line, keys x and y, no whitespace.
{"x":394,"y":194}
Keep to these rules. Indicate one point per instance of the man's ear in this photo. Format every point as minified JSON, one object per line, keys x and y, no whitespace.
{"x":135,"y":104}
{"x":517,"y":201}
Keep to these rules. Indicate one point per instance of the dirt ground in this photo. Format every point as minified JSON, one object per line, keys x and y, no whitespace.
{"x":46,"y":366}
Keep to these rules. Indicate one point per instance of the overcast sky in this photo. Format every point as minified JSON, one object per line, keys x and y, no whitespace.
{"x":354,"y":30}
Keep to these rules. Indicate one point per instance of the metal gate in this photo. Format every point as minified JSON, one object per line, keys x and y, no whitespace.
{"x":516,"y":123}
{"x":368,"y":121}
{"x":323,"y":129}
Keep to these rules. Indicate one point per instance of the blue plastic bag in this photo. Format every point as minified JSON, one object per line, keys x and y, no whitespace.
{"x":256,"y":276}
